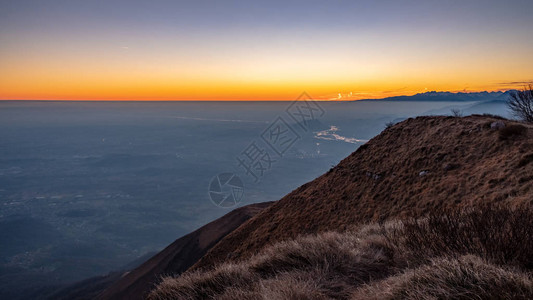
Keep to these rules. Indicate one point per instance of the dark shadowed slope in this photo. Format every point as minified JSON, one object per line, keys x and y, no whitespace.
{"x":180,"y":255}
{"x":416,"y":167}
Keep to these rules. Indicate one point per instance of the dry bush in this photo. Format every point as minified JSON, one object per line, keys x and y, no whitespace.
{"x":500,"y":235}
{"x":456,"y":112}
{"x":512,"y":131}
{"x":526,"y":159}
{"x":199,"y":285}
{"x":335,"y":262}
{"x":466,"y":277}
{"x":291,"y":286}
{"x":521,"y":104}
{"x":337,"y":265}
{"x":329,"y":265}
{"x":491,"y":116}
{"x":389,"y":124}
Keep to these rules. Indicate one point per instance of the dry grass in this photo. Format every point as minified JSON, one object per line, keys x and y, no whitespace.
{"x":467,"y":277}
{"x":422,"y":259}
{"x":511,"y":131}
{"x":499,"y":235}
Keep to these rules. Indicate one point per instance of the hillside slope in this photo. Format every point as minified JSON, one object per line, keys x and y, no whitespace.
{"x":475,"y":254}
{"x":180,"y":255}
{"x":416,"y":167}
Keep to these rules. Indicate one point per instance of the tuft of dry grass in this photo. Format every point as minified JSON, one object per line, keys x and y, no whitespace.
{"x":326,"y":266}
{"x":513,"y":130}
{"x":466,"y":277}
{"x":419,"y":258}
{"x":500,"y":235}
{"x":198,"y":285}
{"x":526,"y":159}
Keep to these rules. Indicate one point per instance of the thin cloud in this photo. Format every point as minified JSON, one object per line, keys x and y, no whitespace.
{"x":515,"y":83}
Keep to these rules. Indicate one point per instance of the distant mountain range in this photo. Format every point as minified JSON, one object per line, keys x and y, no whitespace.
{"x":449,"y":96}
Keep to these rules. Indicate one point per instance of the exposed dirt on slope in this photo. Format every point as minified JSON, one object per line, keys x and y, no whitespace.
{"x":418,"y":166}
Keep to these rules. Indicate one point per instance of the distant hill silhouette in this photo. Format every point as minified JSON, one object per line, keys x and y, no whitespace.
{"x":449,"y":96}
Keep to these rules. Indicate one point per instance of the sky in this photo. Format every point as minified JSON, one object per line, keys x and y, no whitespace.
{"x":260,"y":50}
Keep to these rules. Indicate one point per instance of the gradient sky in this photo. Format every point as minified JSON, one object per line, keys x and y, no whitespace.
{"x":260,"y":50}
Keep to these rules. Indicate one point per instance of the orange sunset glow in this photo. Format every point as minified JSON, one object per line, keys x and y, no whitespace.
{"x":106,"y":58}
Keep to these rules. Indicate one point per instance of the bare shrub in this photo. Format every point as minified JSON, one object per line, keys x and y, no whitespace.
{"x":502,"y":236}
{"x":330,"y":265}
{"x":335,"y":262}
{"x":456,"y":112}
{"x":290,"y":287}
{"x":526,"y":159}
{"x":521,"y":104}
{"x":491,"y":116}
{"x":466,"y":277}
{"x":389,"y":124}
{"x":204,"y":285}
{"x":512,"y":131}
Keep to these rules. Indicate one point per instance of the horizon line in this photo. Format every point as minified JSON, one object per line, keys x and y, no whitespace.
{"x":254,"y":100}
